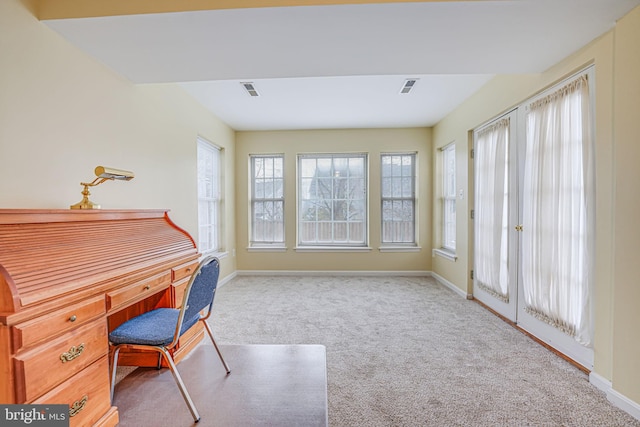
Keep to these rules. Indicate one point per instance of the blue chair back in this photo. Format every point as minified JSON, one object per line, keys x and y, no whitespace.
{"x":200,"y":291}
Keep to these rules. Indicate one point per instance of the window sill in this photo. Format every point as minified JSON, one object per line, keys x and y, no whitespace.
{"x":219,"y":255}
{"x":400,"y":249}
{"x":267,"y":249}
{"x":444,"y":253}
{"x":332,"y":249}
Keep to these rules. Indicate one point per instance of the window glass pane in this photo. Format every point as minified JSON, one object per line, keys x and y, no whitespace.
{"x":324,"y":188}
{"x":407,"y":187}
{"x":398,"y":198}
{"x":407,"y":163}
{"x":356,"y":231}
{"x":340,"y":232}
{"x":307,"y":188}
{"x":308,"y":168}
{"x":386,"y":166}
{"x":278,"y":166}
{"x":268,"y":189}
{"x":341,"y":188}
{"x":387,"y":210}
{"x":449,"y":198}
{"x":208,"y":173}
{"x":259,"y":188}
{"x":278,"y":187}
{"x":332,"y":195}
{"x":340,"y":167}
{"x":396,"y":169}
{"x":307,"y":232}
{"x":357,"y":210}
{"x":325,"y":232}
{"x":267,"y":200}
{"x":407,"y":210}
{"x":340,"y":210}
{"x":258,"y":167}
{"x":386,"y":186}
{"x":356,"y":167}
{"x":324,"y":167}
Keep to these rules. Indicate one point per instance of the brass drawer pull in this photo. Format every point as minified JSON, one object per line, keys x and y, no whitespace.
{"x":146,"y":288}
{"x":72,"y":353}
{"x":78,"y":406}
{"x":73,"y":318}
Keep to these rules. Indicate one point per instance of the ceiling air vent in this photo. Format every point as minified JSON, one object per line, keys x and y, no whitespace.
{"x":408,"y":85}
{"x":248,"y":86}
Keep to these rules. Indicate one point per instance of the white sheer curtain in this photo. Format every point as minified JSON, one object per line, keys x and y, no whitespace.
{"x":491,"y":211}
{"x":558,"y":193}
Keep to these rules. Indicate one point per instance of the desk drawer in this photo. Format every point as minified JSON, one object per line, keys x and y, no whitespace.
{"x":87,"y":394}
{"x":183,"y":270}
{"x":138,"y":290}
{"x":60,"y":321}
{"x":46,"y":366}
{"x":177,"y":291}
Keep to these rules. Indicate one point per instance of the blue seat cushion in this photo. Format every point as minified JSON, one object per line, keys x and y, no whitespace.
{"x":155,"y":327}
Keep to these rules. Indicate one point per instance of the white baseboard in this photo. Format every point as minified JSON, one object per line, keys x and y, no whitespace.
{"x":451,"y":286}
{"x":227,"y":279}
{"x":411,"y":273}
{"x":600,"y":382}
{"x":615,"y":397}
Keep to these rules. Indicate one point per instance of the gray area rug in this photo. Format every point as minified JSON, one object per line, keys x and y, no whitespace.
{"x":269,"y":385}
{"x":409,"y":352}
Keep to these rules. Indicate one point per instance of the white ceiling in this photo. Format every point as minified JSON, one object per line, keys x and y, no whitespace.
{"x":342,"y":66}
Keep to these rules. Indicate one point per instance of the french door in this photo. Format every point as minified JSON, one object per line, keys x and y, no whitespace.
{"x":533,"y":217}
{"x":495,"y":215}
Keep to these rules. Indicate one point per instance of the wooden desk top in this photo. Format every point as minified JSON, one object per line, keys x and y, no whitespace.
{"x":53,"y":257}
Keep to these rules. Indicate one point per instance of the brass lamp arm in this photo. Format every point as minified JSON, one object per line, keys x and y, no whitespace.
{"x":102,"y":174}
{"x":95,"y":182}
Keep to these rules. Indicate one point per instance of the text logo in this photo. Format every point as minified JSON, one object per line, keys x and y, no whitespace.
{"x":34,"y":415}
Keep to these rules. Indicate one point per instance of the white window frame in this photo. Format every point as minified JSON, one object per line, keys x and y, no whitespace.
{"x":391,"y":180}
{"x":209,"y":197}
{"x":449,"y":198}
{"x":332,"y":223}
{"x":259,"y":196}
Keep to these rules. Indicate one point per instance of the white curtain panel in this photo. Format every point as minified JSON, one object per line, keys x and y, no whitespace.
{"x":491,"y":211}
{"x":558,"y":193}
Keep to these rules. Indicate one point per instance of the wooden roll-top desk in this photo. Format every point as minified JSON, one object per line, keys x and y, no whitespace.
{"x":67,"y":278}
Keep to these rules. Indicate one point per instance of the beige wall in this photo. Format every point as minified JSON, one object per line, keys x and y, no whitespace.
{"x":616,"y":348}
{"x":371,"y":141}
{"x":626,"y":295}
{"x":62,"y":114}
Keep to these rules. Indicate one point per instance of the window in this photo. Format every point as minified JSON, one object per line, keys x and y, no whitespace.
{"x":449,"y":197}
{"x":398,"y":198}
{"x":208,"y":197}
{"x":267,"y":200}
{"x":332,"y":200}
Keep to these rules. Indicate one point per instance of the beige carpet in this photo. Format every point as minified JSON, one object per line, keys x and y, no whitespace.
{"x":409,"y":352}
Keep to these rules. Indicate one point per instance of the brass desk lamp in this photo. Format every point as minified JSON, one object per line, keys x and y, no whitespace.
{"x":103,"y":174}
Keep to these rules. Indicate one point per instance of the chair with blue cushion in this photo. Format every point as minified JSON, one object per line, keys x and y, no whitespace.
{"x":160,"y":329}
